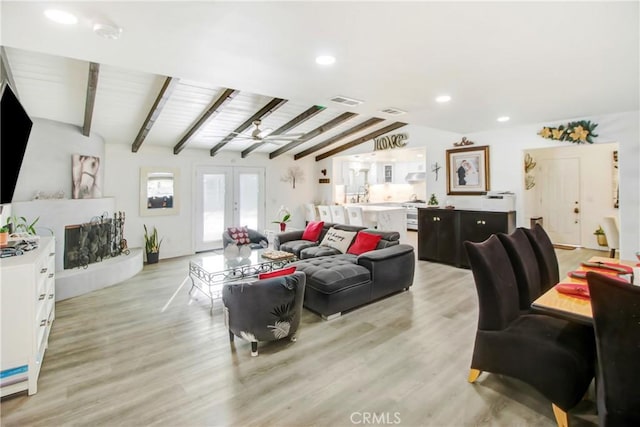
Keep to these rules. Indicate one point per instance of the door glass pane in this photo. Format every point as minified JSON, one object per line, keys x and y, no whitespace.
{"x":248,"y":199}
{"x":213,"y":202}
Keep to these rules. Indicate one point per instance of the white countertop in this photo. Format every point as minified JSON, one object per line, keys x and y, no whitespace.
{"x":376,"y":208}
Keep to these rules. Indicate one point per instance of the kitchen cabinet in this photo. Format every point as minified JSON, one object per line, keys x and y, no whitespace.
{"x":436,"y":235}
{"x":441,"y":232}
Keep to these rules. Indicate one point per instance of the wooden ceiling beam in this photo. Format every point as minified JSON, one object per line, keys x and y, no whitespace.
{"x":296,"y":121}
{"x":312,"y":134}
{"x":208,"y":115}
{"x":5,"y":69}
{"x":169,"y":85}
{"x":358,"y":141}
{"x":273,"y":105}
{"x":92,"y":88}
{"x":367,"y":123}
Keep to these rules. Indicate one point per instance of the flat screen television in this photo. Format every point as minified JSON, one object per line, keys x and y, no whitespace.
{"x":15,"y":128}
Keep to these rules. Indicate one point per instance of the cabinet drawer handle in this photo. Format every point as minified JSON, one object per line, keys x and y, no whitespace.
{"x":50,"y":296}
{"x":41,"y":297}
{"x":44,"y":270}
{"x":480,"y":222}
{"x":52,"y":253}
{"x":43,"y":322}
{"x":50,"y":275}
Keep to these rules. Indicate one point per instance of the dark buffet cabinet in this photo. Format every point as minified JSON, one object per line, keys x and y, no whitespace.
{"x":442,"y":231}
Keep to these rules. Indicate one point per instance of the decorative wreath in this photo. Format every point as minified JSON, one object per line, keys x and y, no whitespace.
{"x":578,"y":132}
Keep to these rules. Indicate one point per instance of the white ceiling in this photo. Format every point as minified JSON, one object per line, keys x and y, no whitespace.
{"x":532,"y":61}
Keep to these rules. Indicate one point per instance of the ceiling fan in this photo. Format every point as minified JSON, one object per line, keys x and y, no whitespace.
{"x":264,"y":135}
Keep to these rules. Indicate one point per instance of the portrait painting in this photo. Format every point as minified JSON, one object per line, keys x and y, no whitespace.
{"x":86,"y":177}
{"x":468,"y":170}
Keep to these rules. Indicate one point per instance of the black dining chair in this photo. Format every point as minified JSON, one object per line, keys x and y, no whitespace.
{"x":554,"y":356}
{"x":546,"y":256}
{"x":525,"y":266}
{"x":616,"y":321}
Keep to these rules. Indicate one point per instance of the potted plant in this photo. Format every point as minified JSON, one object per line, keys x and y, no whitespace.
{"x":4,"y":235}
{"x":152,"y":245}
{"x":286,"y":217}
{"x":21,"y":225}
{"x":433,"y":201}
{"x":602,"y":238}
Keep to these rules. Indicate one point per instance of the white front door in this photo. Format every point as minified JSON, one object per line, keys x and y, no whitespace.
{"x":227,"y":196}
{"x":559,"y":199}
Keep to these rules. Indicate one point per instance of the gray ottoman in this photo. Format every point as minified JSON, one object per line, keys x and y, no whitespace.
{"x":334,"y":284}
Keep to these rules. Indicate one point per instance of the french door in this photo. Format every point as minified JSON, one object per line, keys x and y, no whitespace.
{"x":225,"y":197}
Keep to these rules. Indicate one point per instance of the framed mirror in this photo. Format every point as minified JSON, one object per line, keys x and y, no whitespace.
{"x":158,"y":191}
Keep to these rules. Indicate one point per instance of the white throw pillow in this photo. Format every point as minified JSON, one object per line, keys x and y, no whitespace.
{"x":338,"y":239}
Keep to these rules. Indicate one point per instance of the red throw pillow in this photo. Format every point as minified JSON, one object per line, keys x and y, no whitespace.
{"x":365,"y":242}
{"x":277,"y":273}
{"x":239,"y":234}
{"x":312,"y":231}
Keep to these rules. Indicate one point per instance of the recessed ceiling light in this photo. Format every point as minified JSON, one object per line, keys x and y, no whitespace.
{"x":61,"y":17}
{"x":443,"y":98}
{"x":503,"y":119}
{"x":325,"y":60}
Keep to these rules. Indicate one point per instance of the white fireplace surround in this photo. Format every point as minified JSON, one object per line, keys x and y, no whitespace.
{"x":54,"y":215}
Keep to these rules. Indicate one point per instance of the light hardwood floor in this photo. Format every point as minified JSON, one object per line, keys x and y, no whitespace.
{"x":135,"y":354}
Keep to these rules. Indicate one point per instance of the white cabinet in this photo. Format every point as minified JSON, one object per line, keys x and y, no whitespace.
{"x":28,"y":308}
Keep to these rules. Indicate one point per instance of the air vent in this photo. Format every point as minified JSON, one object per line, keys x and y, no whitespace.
{"x":393,"y":111}
{"x":346,"y":101}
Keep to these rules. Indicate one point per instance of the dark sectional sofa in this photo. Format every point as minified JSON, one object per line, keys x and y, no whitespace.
{"x":338,"y":282}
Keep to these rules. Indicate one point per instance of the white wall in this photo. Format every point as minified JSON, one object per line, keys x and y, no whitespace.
{"x":47,"y":167}
{"x":596,"y":185}
{"x":507,"y":146}
{"x":47,"y":160}
{"x":123,"y":176}
{"x":419,"y":136}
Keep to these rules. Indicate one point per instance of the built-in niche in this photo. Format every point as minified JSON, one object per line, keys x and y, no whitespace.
{"x":158,"y":191}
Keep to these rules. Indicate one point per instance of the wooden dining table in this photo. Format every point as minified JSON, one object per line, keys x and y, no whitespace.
{"x":571,"y":307}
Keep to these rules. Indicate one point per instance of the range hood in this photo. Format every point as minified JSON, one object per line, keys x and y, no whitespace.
{"x":416,"y":177}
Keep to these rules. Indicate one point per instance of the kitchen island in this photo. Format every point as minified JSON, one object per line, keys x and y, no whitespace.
{"x":384,"y":218}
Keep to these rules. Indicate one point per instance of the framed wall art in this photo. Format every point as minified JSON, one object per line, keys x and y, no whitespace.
{"x":468,"y":170}
{"x":86,"y":177}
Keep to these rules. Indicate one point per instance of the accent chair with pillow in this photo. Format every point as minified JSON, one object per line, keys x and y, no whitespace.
{"x":264,"y":310}
{"x":243,"y":236}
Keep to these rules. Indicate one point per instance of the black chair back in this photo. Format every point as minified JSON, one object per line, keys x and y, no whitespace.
{"x":267,"y":309}
{"x":495,"y":283}
{"x":546,"y":256}
{"x":554,"y":356}
{"x":616,"y":320}
{"x":525,"y":266}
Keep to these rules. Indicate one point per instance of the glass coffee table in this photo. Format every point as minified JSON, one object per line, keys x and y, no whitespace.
{"x":208,"y":273}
